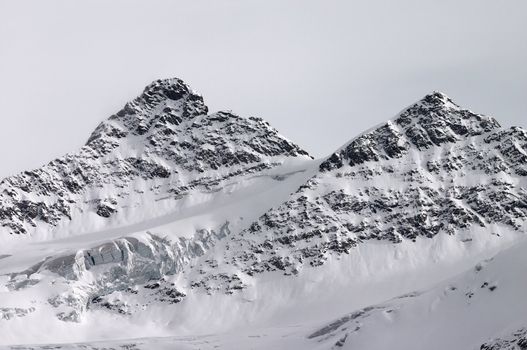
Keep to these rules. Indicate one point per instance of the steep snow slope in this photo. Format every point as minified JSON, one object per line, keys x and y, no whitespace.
{"x":276,"y":245}
{"x":476,"y":307}
{"x":481,"y":308}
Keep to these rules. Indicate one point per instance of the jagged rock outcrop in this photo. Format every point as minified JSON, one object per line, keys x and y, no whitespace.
{"x":517,"y":340}
{"x":432,"y":122}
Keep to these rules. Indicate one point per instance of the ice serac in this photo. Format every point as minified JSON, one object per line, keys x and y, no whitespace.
{"x":170,"y":216}
{"x":140,"y":163}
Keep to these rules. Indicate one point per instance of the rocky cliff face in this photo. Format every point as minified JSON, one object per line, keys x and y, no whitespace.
{"x":434,"y":173}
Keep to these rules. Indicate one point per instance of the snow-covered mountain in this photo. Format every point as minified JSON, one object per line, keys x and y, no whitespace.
{"x":140,"y":163}
{"x":196,"y":230}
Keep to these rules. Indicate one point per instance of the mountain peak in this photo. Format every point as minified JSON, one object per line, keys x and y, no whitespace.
{"x":162,"y":144}
{"x":436,"y":112}
{"x":171,"y":88}
{"x":172,"y":93}
{"x":437,"y":98}
{"x":432,"y":121}
{"x":163,"y":102}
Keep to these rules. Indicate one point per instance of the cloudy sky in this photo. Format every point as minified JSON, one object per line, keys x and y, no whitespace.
{"x":319,"y":71}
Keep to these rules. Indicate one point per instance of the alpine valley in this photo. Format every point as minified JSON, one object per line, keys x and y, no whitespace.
{"x":176,"y":228}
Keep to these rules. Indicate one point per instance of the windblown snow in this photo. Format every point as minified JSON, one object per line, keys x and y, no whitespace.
{"x":176,"y":228}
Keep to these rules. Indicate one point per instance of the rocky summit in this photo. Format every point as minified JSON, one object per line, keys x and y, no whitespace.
{"x":176,"y":228}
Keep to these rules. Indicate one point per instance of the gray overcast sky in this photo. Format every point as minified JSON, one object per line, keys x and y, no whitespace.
{"x":319,"y":71}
